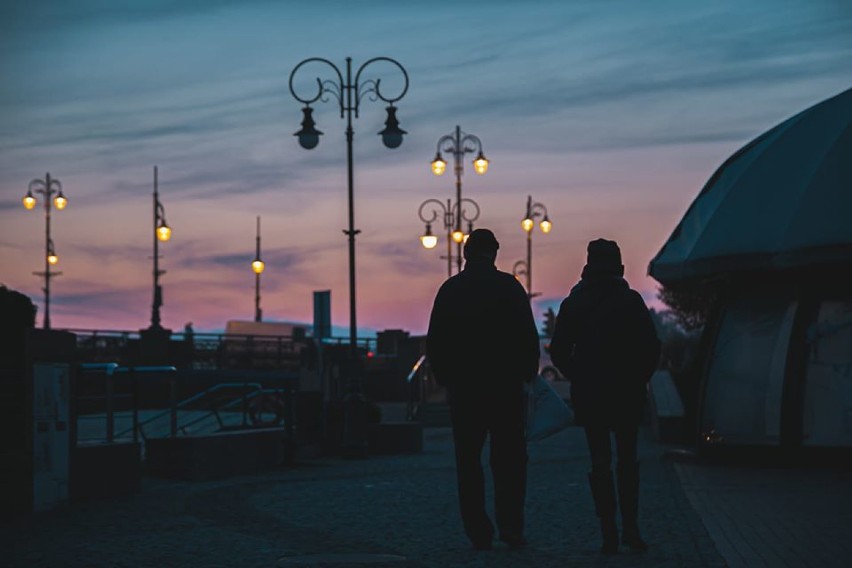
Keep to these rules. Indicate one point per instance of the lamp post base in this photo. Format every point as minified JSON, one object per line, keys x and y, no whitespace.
{"x":355,"y":435}
{"x":154,"y":346}
{"x":355,"y":445}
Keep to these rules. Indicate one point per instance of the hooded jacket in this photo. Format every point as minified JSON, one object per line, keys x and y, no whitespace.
{"x":606,"y":344}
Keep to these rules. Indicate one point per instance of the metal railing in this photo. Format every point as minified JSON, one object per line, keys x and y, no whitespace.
{"x":109,"y":397}
{"x":250,"y":398}
{"x":207,"y":351}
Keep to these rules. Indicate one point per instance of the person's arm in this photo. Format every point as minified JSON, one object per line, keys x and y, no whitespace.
{"x":564,"y":337}
{"x":436,"y":339}
{"x":532,"y":347}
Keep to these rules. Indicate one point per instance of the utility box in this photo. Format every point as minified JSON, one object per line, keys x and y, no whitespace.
{"x":51,"y":434}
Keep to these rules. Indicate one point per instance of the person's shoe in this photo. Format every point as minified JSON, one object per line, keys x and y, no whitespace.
{"x":609,"y":546}
{"x":631,"y":538}
{"x":514,"y":541}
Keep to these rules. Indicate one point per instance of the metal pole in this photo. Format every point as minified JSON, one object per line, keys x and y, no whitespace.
{"x":529,"y":265}
{"x":257,"y":314}
{"x":47,"y":193}
{"x":135,"y":384}
{"x":173,"y":422}
{"x":155,"y":305}
{"x":353,"y":325}
{"x":458,"y":156}
{"x":110,"y":409}
{"x":449,"y":238}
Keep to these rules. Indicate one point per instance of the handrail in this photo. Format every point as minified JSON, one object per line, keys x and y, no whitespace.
{"x":193,"y":398}
{"x":111,"y":369}
{"x":413,"y":404}
{"x":415,"y":369}
{"x":234,"y":402}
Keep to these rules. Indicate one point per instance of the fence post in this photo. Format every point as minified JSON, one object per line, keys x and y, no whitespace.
{"x":245,"y":402}
{"x":173,"y":397}
{"x":134,"y":384}
{"x":110,"y":417}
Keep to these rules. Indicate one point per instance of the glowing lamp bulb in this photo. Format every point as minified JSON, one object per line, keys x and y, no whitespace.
{"x":439,"y":166}
{"x":257,"y":266}
{"x":480,"y":164}
{"x":545,"y":225}
{"x":60,"y":201}
{"x":29,"y":201}
{"x":429,"y":241}
{"x":458,"y":236}
{"x":527,"y":224}
{"x":164,"y":233}
{"x":52,"y":259}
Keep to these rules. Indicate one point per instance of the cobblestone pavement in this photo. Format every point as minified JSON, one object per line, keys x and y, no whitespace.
{"x":383,"y":511}
{"x":397,"y":511}
{"x":774,"y":517}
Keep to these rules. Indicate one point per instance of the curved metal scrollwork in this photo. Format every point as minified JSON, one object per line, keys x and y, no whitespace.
{"x":343,"y":89}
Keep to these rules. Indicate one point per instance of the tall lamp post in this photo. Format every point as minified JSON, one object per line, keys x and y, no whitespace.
{"x":48,"y":187}
{"x":162,"y":232}
{"x":458,"y":143}
{"x":448,"y":215}
{"x":349,"y":93}
{"x":257,"y":267}
{"x":524,"y":267}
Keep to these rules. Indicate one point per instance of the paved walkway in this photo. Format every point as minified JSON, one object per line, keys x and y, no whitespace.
{"x":774,"y":517}
{"x":401,"y":511}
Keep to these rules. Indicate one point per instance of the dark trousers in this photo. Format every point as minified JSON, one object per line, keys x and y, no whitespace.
{"x":600,"y":445}
{"x":503,"y":421}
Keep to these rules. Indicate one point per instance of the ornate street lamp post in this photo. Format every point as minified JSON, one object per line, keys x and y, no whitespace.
{"x":458,"y":143}
{"x":449,"y":216}
{"x":524,"y":268}
{"x":162,"y":232}
{"x":257,"y":267}
{"x":48,"y":187}
{"x":349,"y":93}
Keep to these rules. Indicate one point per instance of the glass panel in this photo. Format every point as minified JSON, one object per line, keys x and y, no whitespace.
{"x":827,"y":419}
{"x":742,"y":403}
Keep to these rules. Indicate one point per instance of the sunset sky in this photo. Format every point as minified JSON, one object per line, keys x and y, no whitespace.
{"x":613,"y":114}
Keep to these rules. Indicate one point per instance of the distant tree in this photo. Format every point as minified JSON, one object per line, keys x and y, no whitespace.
{"x":690,"y":304}
{"x":17,"y":315}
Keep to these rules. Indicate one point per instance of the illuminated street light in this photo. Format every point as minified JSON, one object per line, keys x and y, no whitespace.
{"x":257,"y":267}
{"x":429,"y":240}
{"x":458,"y":143}
{"x":466,"y":210}
{"x":49,"y":188}
{"x":162,"y":232}
{"x":524,"y":268}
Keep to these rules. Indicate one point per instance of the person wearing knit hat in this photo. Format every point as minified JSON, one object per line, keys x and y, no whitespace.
{"x":603,"y":257}
{"x":605,"y":343}
{"x":482,"y":346}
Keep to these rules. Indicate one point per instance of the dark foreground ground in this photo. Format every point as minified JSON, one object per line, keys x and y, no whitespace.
{"x":400,"y":511}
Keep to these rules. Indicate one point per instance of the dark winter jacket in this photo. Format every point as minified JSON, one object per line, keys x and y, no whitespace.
{"x":482,"y":338}
{"x":605,"y":343}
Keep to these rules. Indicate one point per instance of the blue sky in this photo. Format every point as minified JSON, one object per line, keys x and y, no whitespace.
{"x":611,"y":113}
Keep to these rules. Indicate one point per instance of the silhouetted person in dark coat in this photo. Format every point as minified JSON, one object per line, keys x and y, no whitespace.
{"x":605,"y":343}
{"x":482,"y":346}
